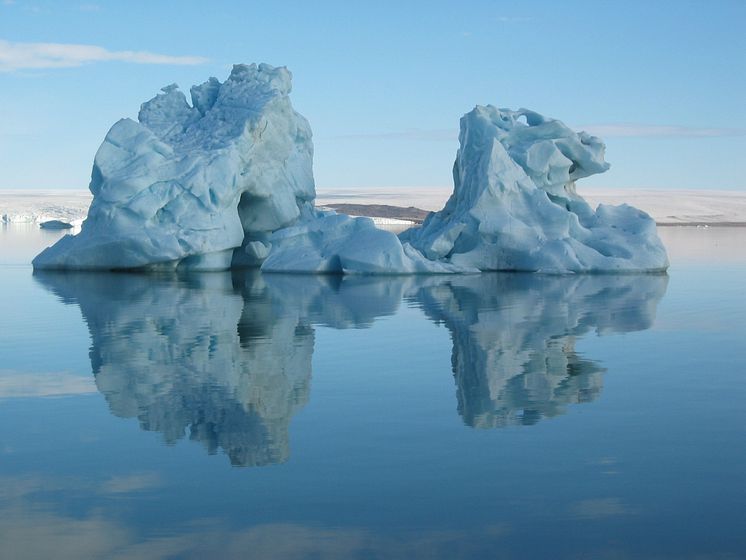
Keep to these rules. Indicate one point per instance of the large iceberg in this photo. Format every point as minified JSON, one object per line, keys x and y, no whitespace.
{"x":227,"y":181}
{"x":188,"y":184}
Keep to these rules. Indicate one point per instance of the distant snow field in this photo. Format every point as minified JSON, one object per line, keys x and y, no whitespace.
{"x":667,"y":207}
{"x":40,"y":206}
{"x":679,"y":207}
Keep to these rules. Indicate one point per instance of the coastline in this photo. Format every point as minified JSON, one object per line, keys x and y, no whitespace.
{"x":404,"y":205}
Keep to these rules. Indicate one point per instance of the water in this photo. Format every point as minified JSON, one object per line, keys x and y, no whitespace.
{"x":496,"y":416}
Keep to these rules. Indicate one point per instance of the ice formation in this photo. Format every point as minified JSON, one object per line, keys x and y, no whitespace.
{"x":187,"y":184}
{"x":55,"y":224}
{"x":514,"y":204}
{"x":227,"y":181}
{"x":214,"y":184}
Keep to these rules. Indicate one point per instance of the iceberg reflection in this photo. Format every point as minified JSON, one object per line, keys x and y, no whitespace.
{"x":226,"y":357}
{"x":514,"y":336}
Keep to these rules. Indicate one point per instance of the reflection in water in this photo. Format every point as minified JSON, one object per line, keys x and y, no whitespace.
{"x":514,"y":337}
{"x":227,"y":356}
{"x":168,"y":351}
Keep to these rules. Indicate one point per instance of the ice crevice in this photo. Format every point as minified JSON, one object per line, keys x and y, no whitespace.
{"x":228,"y":182}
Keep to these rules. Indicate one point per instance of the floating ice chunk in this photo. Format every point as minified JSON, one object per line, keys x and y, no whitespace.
{"x":17,"y":218}
{"x":336,"y":243}
{"x":55,"y":224}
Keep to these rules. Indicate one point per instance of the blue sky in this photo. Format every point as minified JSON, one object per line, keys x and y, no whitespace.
{"x":384,"y":83}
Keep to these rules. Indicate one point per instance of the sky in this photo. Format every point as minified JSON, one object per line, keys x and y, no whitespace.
{"x":384,"y":84}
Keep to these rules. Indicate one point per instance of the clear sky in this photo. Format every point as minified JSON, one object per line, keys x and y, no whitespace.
{"x":384,"y":83}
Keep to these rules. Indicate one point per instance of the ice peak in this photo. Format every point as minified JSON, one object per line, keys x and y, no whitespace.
{"x":169,"y":88}
{"x":263,"y":76}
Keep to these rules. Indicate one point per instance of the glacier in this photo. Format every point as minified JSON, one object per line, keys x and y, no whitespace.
{"x":227,"y":181}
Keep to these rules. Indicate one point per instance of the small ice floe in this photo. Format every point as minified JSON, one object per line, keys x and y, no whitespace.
{"x":17,"y":218}
{"x":55,"y":224}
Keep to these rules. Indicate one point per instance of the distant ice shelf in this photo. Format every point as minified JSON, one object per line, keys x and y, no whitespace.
{"x":226,"y":181}
{"x":36,"y":207}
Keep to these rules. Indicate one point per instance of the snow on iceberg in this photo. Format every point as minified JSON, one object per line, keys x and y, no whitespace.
{"x":514,"y":205}
{"x":227,"y":181}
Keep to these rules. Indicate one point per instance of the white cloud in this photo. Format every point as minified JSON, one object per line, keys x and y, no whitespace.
{"x":126,"y":484}
{"x":18,"y":56}
{"x":600,"y":508}
{"x":16,"y":384}
{"x":449,"y":134}
{"x":513,"y":19}
{"x":628,"y":130}
{"x":658,"y":131}
{"x":32,"y":530}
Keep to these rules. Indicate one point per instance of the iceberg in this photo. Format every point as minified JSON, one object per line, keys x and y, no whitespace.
{"x":55,"y":224}
{"x":227,"y":181}
{"x":186,"y":184}
{"x":514,"y":205}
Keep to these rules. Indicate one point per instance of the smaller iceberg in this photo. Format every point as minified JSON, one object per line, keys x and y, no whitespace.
{"x":55,"y":224}
{"x":514,"y":205}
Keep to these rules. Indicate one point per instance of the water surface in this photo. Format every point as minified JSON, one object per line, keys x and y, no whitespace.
{"x":271,"y":416}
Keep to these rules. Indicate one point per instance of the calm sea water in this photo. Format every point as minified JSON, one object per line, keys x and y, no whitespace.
{"x":235,"y":415}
